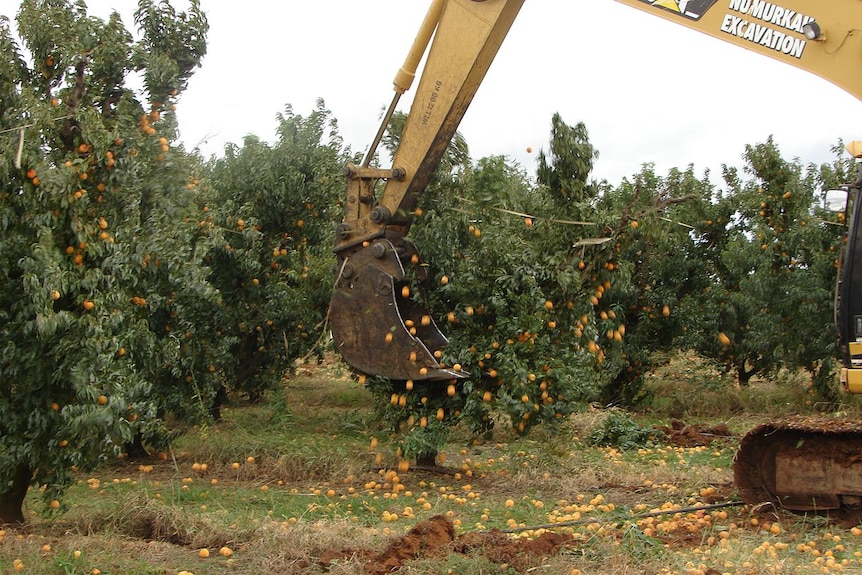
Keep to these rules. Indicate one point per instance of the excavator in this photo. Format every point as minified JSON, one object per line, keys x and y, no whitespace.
{"x":798,"y":464}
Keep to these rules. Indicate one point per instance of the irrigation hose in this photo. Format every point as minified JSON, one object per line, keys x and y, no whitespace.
{"x":629,"y":518}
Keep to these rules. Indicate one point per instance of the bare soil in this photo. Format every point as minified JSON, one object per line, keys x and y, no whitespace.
{"x":435,"y":537}
{"x":683,"y":435}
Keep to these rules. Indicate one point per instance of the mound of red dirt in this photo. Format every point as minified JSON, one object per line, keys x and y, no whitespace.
{"x":436,"y":537}
{"x":683,"y":435}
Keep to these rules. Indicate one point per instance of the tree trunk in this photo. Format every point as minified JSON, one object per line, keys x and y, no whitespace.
{"x":745,"y":376}
{"x":135,"y":449}
{"x":822,"y":379}
{"x":12,"y":499}
{"x":220,"y":399}
{"x":426,"y":460}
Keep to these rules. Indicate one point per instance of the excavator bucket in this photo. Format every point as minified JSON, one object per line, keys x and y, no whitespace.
{"x":377,"y":325}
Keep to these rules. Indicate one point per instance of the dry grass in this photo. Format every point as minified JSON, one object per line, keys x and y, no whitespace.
{"x":284,"y":548}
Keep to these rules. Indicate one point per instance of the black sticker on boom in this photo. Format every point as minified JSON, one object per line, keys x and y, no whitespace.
{"x":692,"y":9}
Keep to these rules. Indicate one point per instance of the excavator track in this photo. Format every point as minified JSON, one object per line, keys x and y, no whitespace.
{"x":802,"y":464}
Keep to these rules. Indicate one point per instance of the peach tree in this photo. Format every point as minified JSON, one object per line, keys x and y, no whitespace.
{"x":772,"y":262}
{"x":271,"y":214}
{"x":521,"y":276}
{"x":655,"y":240}
{"x":99,"y":273}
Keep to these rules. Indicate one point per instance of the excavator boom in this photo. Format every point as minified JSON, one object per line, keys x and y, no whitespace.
{"x":822,"y":37}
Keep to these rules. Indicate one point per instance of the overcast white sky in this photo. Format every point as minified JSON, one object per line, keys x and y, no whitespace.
{"x":648,"y":90}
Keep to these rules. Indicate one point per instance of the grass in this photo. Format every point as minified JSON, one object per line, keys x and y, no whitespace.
{"x":281,"y":484}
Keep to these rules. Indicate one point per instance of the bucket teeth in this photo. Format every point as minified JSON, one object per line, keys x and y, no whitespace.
{"x":376,"y":325}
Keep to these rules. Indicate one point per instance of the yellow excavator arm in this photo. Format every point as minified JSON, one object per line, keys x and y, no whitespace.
{"x":377,"y":324}
{"x":823,"y":37}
